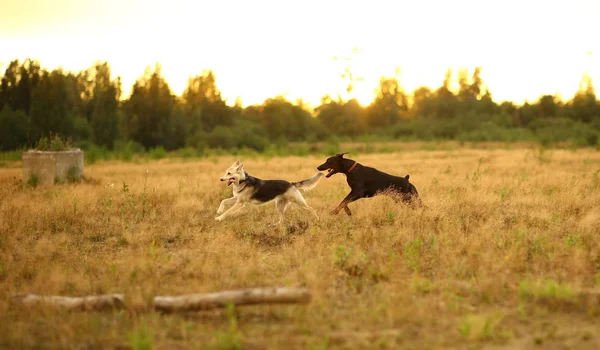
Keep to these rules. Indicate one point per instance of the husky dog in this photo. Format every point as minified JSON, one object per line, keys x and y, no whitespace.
{"x":249,"y":189}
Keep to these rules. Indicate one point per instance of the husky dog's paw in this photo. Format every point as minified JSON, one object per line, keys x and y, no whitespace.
{"x":219,"y":218}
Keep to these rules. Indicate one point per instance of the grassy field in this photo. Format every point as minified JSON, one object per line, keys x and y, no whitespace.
{"x":507,"y":255}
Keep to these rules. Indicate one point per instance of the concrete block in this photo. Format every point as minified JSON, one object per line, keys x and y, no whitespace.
{"x":51,"y":167}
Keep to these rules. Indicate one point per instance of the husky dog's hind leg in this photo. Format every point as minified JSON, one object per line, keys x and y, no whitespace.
{"x":282,"y":204}
{"x":296,"y":197}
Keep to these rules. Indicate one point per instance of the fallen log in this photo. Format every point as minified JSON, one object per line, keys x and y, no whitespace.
{"x":188,"y":302}
{"x":89,"y":303}
{"x":194,"y":302}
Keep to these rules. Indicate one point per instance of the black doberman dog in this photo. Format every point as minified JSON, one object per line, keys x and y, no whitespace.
{"x":367,"y":182}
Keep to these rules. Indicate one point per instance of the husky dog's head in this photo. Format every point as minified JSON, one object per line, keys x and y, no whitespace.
{"x":333,"y":165}
{"x":234,"y":174}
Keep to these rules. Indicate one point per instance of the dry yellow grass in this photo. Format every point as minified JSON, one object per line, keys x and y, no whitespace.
{"x":506,"y":255}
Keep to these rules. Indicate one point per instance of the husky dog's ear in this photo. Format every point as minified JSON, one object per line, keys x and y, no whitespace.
{"x":240,"y":167}
{"x":237,"y":162}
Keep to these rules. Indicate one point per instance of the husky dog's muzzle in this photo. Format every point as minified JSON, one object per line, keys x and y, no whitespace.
{"x":229,"y":181}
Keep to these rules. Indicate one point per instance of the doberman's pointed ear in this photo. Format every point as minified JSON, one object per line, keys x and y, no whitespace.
{"x":341,"y":155}
{"x":407,"y":176}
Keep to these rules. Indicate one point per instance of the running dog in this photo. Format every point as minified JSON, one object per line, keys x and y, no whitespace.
{"x":249,"y":189}
{"x":366,"y":182}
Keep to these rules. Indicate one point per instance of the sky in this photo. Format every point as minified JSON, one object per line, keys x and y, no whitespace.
{"x":260,"y":49}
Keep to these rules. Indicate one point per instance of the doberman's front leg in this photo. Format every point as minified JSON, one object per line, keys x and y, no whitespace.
{"x":347,"y":210}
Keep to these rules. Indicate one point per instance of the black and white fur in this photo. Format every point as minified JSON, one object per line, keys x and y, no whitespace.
{"x":249,"y":189}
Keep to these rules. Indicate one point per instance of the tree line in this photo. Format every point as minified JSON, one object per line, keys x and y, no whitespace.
{"x":86,"y":107}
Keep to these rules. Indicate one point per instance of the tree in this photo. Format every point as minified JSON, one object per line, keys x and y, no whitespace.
{"x":204,"y":104}
{"x":53,"y":104}
{"x":446,"y":101}
{"x":390,"y":104}
{"x":342,"y":118}
{"x":510,"y":112}
{"x":282,"y":119}
{"x":423,"y":102}
{"x":547,"y":107}
{"x":469,"y":91}
{"x":526,"y":114}
{"x":28,"y":79}
{"x":104,"y":105}
{"x":148,"y":110}
{"x":17,"y":85}
{"x":584,"y":105}
{"x":14,"y":128}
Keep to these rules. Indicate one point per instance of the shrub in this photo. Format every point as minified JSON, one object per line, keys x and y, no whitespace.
{"x":554,"y":130}
{"x":187,"y":152}
{"x":489,"y":131}
{"x":74,"y":174}
{"x":33,"y":181}
{"x":125,"y":150}
{"x":158,"y":152}
{"x":53,"y":143}
{"x":95,"y":153}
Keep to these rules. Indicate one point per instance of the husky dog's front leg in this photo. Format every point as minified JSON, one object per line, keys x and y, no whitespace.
{"x":237,"y":206}
{"x":225,"y":202}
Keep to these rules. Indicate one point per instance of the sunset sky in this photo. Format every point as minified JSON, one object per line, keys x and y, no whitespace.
{"x":259,"y":49}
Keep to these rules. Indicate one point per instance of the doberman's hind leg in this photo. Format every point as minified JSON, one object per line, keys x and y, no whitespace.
{"x":341,"y":206}
{"x":411,"y":197}
{"x":351,"y":197}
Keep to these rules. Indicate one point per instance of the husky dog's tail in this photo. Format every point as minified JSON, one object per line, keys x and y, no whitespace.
{"x":309,"y":183}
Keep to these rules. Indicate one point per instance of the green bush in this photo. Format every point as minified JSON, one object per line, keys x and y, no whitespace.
{"x":95,"y":153}
{"x":125,"y":150}
{"x":241,"y":134}
{"x":33,"y":181}
{"x":187,"y":152}
{"x":554,"y":130}
{"x":489,"y":131}
{"x":74,"y":174}
{"x":197,"y":141}
{"x":53,"y":143}
{"x":158,"y":152}
{"x":11,"y":155}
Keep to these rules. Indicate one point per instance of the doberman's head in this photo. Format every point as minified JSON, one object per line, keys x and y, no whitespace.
{"x":333,"y":165}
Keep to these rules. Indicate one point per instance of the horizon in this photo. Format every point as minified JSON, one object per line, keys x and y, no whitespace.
{"x":256,"y":55}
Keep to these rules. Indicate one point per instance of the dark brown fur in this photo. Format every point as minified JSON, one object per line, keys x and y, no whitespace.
{"x":367,"y":182}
